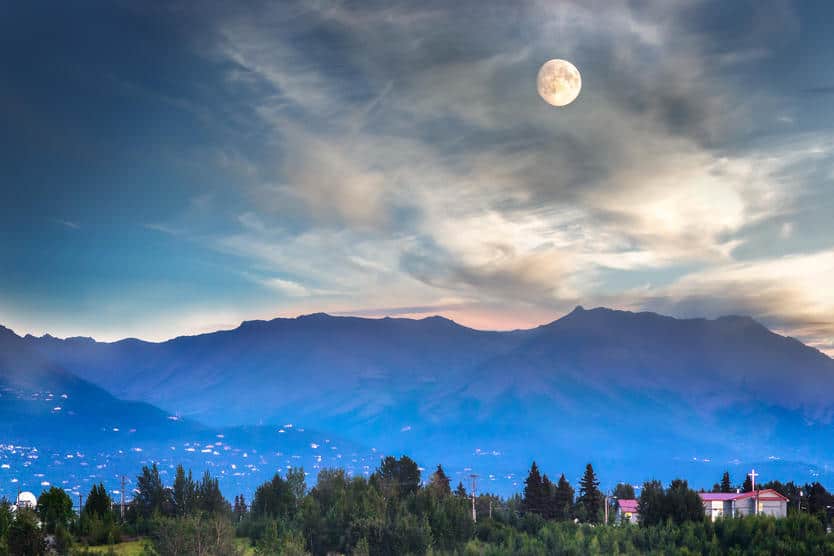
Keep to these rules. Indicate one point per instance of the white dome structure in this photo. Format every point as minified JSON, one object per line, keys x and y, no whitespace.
{"x":26,"y":500}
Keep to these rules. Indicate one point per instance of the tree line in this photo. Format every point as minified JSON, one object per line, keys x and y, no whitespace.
{"x":397,"y":511}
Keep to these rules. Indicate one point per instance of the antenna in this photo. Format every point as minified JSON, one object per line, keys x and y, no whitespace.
{"x":122,"y":504}
{"x":474,"y":479}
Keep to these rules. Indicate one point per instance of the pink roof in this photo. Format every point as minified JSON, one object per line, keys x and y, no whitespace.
{"x":628,"y":505}
{"x":718,"y":496}
{"x":766,"y":494}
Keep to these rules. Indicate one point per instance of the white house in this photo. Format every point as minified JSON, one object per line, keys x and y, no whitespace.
{"x":740,"y":504}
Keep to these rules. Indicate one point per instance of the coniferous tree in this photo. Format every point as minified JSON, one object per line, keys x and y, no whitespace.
{"x":534,"y":494}
{"x":273,"y":499}
{"x":819,"y":500}
{"x":548,"y":498}
{"x":209,"y":498}
{"x":590,"y":498}
{"x":439,"y":483}
{"x":184,"y":492}
{"x":682,"y":503}
{"x":54,"y":509}
{"x":624,"y":491}
{"x":152,"y":496}
{"x":398,"y":477}
{"x":297,"y":482}
{"x":25,"y":536}
{"x":748,"y":484}
{"x":726,"y":486}
{"x":240,"y":508}
{"x":460,"y":491}
{"x":651,"y":506}
{"x":563,"y":499}
{"x":98,"y":502}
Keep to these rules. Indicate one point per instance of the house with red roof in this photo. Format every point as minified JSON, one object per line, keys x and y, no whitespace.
{"x":740,"y":504}
{"x":627,"y":511}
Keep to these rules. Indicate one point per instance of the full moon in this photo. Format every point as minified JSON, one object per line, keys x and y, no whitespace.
{"x":559,"y":82}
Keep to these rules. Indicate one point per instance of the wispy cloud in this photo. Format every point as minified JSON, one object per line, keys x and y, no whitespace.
{"x":68,"y":224}
{"x":396,"y":155}
{"x":455,"y":181}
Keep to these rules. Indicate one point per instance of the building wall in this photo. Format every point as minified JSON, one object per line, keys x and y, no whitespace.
{"x":745,"y":507}
{"x":628,"y":517}
{"x":776,"y":508}
{"x":714,"y":509}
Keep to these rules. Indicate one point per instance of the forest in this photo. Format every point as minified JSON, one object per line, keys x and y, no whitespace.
{"x":398,"y":511}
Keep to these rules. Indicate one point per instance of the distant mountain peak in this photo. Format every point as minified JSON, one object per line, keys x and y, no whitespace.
{"x":315,"y":316}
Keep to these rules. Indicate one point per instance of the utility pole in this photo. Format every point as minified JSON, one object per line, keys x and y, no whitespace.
{"x":474,"y":478}
{"x":122,"y":503}
{"x":80,"y":504}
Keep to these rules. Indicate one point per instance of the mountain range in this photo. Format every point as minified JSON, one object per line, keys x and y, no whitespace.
{"x":639,"y":394}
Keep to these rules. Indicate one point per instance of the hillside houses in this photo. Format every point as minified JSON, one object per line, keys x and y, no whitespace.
{"x":720,"y":504}
{"x":740,"y":504}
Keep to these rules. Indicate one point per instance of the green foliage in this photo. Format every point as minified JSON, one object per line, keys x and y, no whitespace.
{"x":398,"y":477}
{"x":389,"y":514}
{"x":651,"y":506}
{"x":195,"y":535}
{"x":726,"y":486}
{"x":439,"y":482}
{"x":97,"y":524}
{"x":5,"y":522}
{"x":184,"y":492}
{"x":748,"y":484}
{"x":152,"y":497}
{"x":624,"y":491}
{"x":755,"y":535}
{"x":590,"y":501}
{"x":562,"y":499}
{"x":274,"y":499}
{"x":535,"y":496}
{"x":240,"y":510}
{"x":677,"y":504}
{"x":98,"y":502}
{"x":25,"y":537}
{"x":270,"y":541}
{"x":209,"y":498}
{"x":297,"y":481}
{"x":55,"y":508}
{"x":98,"y":530}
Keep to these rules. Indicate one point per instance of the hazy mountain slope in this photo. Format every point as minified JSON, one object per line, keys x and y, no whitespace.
{"x":56,"y":428}
{"x":639,"y":393}
{"x":41,"y":399}
{"x":261,"y":369}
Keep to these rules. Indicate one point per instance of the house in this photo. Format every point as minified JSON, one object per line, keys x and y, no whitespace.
{"x":627,"y":511}
{"x":740,"y":504}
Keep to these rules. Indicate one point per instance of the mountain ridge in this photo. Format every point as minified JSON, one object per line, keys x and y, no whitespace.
{"x":632,"y":390}
{"x":257,"y":323}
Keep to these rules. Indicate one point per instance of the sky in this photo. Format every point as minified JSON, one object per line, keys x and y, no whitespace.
{"x":173,"y":168}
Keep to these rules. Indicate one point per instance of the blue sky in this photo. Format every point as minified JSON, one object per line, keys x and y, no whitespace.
{"x":179,"y":167}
